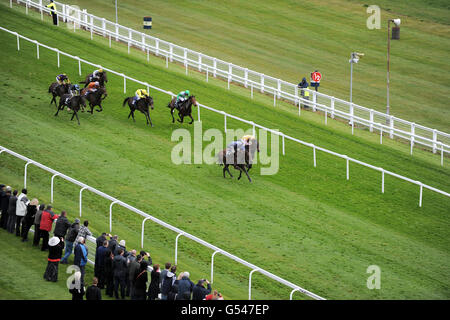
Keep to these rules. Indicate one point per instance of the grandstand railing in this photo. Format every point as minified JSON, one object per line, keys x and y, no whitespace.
{"x":334,"y":107}
{"x":226,"y":115}
{"x":146,"y":216}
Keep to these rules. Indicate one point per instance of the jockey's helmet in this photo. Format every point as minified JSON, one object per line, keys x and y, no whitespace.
{"x":187,"y":92}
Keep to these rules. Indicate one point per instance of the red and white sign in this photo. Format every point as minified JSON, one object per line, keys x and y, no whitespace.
{"x":316,"y":76}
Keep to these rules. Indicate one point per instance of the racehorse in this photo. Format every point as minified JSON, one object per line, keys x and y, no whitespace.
{"x":95,"y":98}
{"x":240,"y":160}
{"x":185,"y":108}
{"x":101,"y":80}
{"x":57,"y":90}
{"x":141,"y":105}
{"x":74,"y":104}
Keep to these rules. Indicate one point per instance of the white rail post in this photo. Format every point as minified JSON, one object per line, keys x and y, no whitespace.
{"x":57,"y":55}
{"x":381,"y":134}
{"x":382,"y":180}
{"x":104,"y":26}
{"x":391,"y":131}
{"x":124,"y":83}
{"x":79,"y":66}
{"x":171,"y":52}
{"x":279,"y":88}
{"x":292,"y":292}
{"x":332,"y":107}
{"x":348,"y":167}
{"x":207,"y":71}
{"x":314,"y":100}
{"x":299,"y":108}
{"x":198,"y":114}
{"x":442,"y":154}
{"x":413,"y":132}
{"x":18,"y":42}
{"x":262,"y":83}
{"x":253,"y":129}
{"x":185,"y":58}
{"x":274,"y":98}
{"x":40,"y":9}
{"x":200,"y":62}
{"x":314,"y":155}
{"x":371,"y":120}
{"x":10,"y":3}
{"x":37,"y":49}
{"x":326,"y":116}
{"x":51,"y":187}
{"x":117,"y":31}
{"x":157,"y":47}
{"x":434,"y":140}
{"x":26,"y":6}
{"x":250,"y":284}
{"x":142,"y":232}
{"x":421,"y":193}
{"x":214,"y":67}
{"x":81,"y":195}
{"x":246,"y":77}
{"x":143,"y":42}
{"x":25,"y":175}
{"x":186,"y":67}
{"x":110,"y":215}
{"x":212,"y":265}
{"x":176,"y":247}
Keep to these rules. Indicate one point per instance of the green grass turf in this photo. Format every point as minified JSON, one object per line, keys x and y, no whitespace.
{"x":307,"y":225}
{"x":289,"y":39}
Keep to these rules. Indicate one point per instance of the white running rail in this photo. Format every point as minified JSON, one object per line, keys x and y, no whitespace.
{"x":146,"y":217}
{"x":334,"y":107}
{"x":251,"y":123}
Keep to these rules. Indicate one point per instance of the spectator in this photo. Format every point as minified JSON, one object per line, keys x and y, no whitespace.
{"x":93,"y":292}
{"x":200,"y":292}
{"x":133,"y":263}
{"x":109,"y":275}
{"x":119,"y":273}
{"x":81,"y":255}
{"x":121,"y":245}
{"x":140,"y":282}
{"x":304,"y":93}
{"x":62,"y":225}
{"x":12,"y":212}
{"x":164,"y":273}
{"x":71,"y":236}
{"x":56,"y":246}
{"x":214,"y":296}
{"x":99,"y":268}
{"x":37,"y":223}
{"x":84,"y":231}
{"x":153,"y":288}
{"x":21,"y":209}
{"x":47,"y":218}
{"x":99,"y":241}
{"x":28,"y":220}
{"x":76,"y":289}
{"x":146,"y":254}
{"x":4,"y":207}
{"x":113,"y":244}
{"x":185,"y":287}
{"x":167,"y":286}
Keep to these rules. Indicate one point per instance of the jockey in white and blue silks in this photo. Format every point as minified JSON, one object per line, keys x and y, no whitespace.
{"x":239,"y":145}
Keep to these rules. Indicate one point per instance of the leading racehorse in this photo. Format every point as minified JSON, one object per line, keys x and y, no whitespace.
{"x":185,"y":108}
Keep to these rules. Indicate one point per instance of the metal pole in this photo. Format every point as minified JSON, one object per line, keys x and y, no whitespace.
{"x":388,"y":59}
{"x":176,"y":246}
{"x":25,"y":175}
{"x":250,"y":284}
{"x":81,"y":192}
{"x":212,"y":265}
{"x":51,"y":188}
{"x":116,"y":13}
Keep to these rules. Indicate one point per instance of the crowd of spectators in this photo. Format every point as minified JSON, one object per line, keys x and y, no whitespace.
{"x":119,"y":272}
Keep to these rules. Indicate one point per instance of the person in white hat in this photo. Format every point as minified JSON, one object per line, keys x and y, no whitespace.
{"x":56,"y":246}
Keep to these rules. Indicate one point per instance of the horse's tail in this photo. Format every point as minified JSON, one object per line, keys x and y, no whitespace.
{"x":125,"y":101}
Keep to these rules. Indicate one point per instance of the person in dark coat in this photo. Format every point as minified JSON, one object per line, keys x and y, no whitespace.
{"x":4,"y":207}
{"x":93,"y":292}
{"x":113,"y":243}
{"x":167,"y":288}
{"x":37,"y":223}
{"x":99,"y":241}
{"x":109,"y":274}
{"x":28,"y":220}
{"x":11,"y":225}
{"x":99,"y":268}
{"x":153,"y":288}
{"x":70,"y":239}
{"x":185,"y":287}
{"x":62,"y":225}
{"x":140,"y":282}
{"x":120,"y":274}
{"x":55,"y":249}
{"x":200,"y":292}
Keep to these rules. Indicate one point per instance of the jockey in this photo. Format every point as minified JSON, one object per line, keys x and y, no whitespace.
{"x":181,"y":97}
{"x":97,"y":74}
{"x":248,"y":139}
{"x":73,"y":89}
{"x":92,"y":87}
{"x":140,"y":94}
{"x":62,"y":79}
{"x":238,"y":145}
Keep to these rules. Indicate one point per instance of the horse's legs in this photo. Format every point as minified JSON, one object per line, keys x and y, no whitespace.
{"x":243,"y":167}
{"x":240,"y":172}
{"x":171,"y":113}
{"x":76,"y":115}
{"x":132,"y":115}
{"x":57,"y":111}
{"x":150,"y":119}
{"x":181,"y":117}
{"x":226,"y":169}
{"x":192,"y":119}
